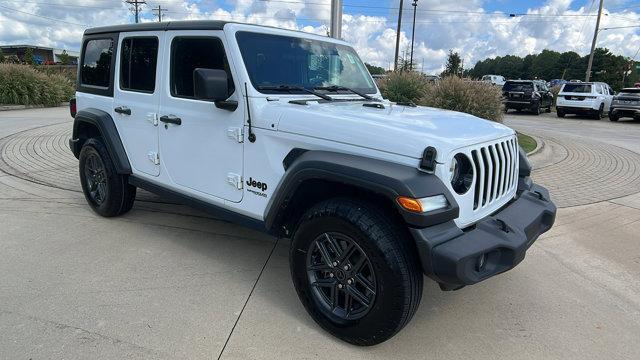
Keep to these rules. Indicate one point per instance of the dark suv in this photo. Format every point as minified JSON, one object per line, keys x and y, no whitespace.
{"x":526,"y":95}
{"x":625,"y":104}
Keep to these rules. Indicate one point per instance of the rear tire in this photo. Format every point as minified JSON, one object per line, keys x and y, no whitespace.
{"x":560,"y":113}
{"x":107,"y":192}
{"x":327,"y":282}
{"x":598,"y":115}
{"x":613,"y":117}
{"x":536,"y":110}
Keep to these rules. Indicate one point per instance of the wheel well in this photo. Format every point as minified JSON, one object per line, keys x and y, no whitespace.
{"x":312,"y":191}
{"x":85,"y":131}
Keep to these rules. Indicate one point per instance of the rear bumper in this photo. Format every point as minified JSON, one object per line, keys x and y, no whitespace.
{"x":520,"y":104}
{"x":625,"y":111}
{"x":496,"y":244}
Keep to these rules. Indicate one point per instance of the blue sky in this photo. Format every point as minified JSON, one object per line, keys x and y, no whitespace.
{"x":470,"y":27}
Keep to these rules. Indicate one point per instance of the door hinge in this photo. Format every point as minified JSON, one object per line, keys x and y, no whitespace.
{"x":235,"y":180}
{"x":236,"y":133}
{"x":152,"y":118}
{"x":154,"y":157}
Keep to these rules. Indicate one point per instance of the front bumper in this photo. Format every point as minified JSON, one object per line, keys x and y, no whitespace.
{"x":495,"y":244}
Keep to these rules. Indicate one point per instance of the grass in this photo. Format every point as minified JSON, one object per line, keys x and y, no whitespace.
{"x":24,"y":85}
{"x":527,"y":142}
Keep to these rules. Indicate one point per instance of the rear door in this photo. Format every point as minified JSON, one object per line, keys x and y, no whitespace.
{"x":137,"y":98}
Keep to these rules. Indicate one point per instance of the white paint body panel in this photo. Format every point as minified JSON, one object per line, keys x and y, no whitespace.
{"x":196,"y":157}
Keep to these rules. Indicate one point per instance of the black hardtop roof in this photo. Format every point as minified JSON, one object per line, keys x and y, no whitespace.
{"x":631,"y":90}
{"x":520,"y":81}
{"x":160,"y":26}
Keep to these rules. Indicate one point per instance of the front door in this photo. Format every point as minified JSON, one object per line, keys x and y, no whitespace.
{"x":199,"y":151}
{"x":137,"y":98}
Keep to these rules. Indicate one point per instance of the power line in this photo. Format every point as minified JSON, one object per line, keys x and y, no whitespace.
{"x":137,"y":4}
{"x":41,"y":16}
{"x":159,"y":11}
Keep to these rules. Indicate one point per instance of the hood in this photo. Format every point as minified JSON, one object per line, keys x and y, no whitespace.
{"x":395,"y":129}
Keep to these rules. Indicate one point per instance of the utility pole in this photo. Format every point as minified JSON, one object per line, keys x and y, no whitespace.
{"x":137,"y":4}
{"x":593,"y":44}
{"x":413,"y":33}
{"x":159,"y":10}
{"x":398,"y":35}
{"x":336,"y":19}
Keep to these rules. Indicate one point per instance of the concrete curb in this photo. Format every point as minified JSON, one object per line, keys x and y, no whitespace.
{"x":27,"y":107}
{"x":539,"y":145}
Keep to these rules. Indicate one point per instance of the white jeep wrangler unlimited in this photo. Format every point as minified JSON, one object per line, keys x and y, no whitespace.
{"x":287,"y":133}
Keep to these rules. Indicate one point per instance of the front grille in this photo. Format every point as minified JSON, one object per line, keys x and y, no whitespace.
{"x":496,"y":172}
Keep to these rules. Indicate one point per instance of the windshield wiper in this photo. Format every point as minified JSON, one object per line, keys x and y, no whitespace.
{"x":289,"y":88}
{"x":336,"y":88}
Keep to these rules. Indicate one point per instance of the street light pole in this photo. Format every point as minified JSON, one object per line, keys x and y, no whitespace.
{"x":413,"y":33}
{"x":336,"y":19}
{"x":398,"y":35}
{"x":593,"y":44}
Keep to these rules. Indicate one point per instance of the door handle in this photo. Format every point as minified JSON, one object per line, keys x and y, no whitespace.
{"x":171,"y":119}
{"x":123,"y":110}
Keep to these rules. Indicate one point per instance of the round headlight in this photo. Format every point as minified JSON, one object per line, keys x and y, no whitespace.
{"x":461,"y":174}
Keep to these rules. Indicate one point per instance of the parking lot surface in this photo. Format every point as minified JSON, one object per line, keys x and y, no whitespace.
{"x":168,"y":282}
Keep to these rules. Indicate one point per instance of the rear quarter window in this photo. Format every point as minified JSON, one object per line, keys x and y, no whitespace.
{"x":96,"y":63}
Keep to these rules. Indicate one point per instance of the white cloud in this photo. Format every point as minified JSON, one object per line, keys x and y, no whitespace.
{"x":463,"y":26}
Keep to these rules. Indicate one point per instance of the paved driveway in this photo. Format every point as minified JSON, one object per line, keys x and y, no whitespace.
{"x":166,"y":281}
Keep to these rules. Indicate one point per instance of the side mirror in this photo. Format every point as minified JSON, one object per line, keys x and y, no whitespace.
{"x":213,"y":85}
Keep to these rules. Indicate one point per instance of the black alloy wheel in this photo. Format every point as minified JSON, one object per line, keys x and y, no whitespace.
{"x":341,"y":276}
{"x":96,"y":178}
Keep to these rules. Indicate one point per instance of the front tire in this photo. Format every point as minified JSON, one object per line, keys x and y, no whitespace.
{"x":613,"y":117}
{"x":354,"y":272}
{"x":107,"y":192}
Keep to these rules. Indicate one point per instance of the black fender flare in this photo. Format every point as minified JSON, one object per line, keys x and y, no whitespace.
{"x":383,"y":177}
{"x":103,"y":122}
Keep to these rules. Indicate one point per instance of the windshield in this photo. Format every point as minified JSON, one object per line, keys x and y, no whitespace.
{"x":577,"y":88}
{"x":515,"y":86}
{"x":274,"y":60}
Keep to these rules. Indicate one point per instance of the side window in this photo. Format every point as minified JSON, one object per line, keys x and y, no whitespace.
{"x":138,"y":64}
{"x":599,"y":89}
{"x":190,"y":53}
{"x":96,"y":63}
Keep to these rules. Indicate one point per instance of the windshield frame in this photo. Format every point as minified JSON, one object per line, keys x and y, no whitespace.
{"x":372,"y":90}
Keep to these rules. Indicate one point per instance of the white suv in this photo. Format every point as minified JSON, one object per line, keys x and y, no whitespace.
{"x":585,"y":99}
{"x":286,"y":132}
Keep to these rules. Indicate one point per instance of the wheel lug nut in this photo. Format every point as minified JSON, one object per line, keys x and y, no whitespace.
{"x":346,"y":267}
{"x":335,"y":263}
{"x":349,"y":281}
{"x":339,"y":286}
{"x":331,"y":275}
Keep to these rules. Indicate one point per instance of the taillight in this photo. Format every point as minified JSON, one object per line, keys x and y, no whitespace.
{"x":72,"y":107}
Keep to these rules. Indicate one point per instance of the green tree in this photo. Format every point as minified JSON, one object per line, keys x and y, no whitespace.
{"x":28,"y":56}
{"x":1,"y":56}
{"x":453,"y":65}
{"x":375,"y":70}
{"x":65,"y":59}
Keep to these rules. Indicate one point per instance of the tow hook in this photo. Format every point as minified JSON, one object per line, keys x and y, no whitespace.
{"x":540,"y":196}
{"x":503,"y":226}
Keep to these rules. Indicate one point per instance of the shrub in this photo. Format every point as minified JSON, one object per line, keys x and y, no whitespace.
{"x":451,"y":93}
{"x":473,"y":97}
{"x":406,"y":86}
{"x":23,"y":85}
